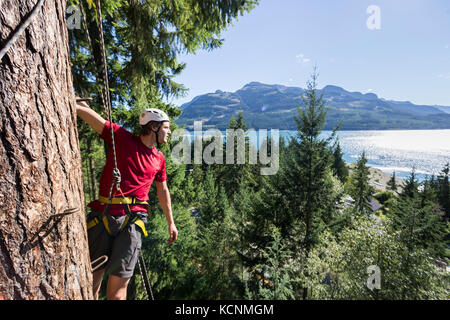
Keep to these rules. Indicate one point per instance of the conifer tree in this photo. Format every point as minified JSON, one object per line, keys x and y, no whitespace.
{"x":144,"y":38}
{"x":444,"y":190}
{"x":228,"y":174}
{"x":392,"y":183}
{"x":240,"y":124}
{"x":209,"y":210}
{"x":241,"y":227}
{"x":421,"y":230}
{"x":410,"y":186}
{"x":306,"y":168}
{"x":420,"y":217}
{"x":428,"y":195}
{"x":275,"y":277}
{"x":172,"y":268}
{"x":339,"y":167}
{"x":361,"y":189}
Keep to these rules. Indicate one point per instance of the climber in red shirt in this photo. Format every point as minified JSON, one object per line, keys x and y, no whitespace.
{"x":115,"y":226}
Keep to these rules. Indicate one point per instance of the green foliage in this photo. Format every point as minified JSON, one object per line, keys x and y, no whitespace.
{"x":339,"y":167}
{"x":410,"y":186}
{"x":392,"y":183}
{"x":360,"y":189}
{"x":310,"y":162}
{"x":275,"y":277}
{"x":219,"y":263}
{"x":382,"y":197}
{"x":371,"y":241}
{"x":444,"y":190}
{"x":209,"y":202}
{"x":231,"y":174}
{"x":305,"y":171}
{"x":172,"y":267}
{"x":419,"y":226}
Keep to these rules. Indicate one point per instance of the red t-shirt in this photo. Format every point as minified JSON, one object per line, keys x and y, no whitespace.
{"x":138,"y":164}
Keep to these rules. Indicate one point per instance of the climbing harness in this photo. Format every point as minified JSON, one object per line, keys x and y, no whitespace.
{"x":21,"y":29}
{"x":95,"y":221}
{"x":106,"y":101}
{"x":124,"y":200}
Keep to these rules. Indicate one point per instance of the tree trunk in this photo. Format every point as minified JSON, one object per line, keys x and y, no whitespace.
{"x":41,"y":257}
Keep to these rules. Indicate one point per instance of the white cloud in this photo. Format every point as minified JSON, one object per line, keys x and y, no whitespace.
{"x":447,"y":46}
{"x":302,"y":59}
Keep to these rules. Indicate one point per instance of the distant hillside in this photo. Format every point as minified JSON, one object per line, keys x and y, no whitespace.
{"x":274,"y":106}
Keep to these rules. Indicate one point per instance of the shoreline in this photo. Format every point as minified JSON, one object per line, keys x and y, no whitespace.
{"x":379,"y":179}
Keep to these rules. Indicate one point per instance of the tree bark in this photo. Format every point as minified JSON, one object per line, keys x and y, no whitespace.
{"x":41,"y":257}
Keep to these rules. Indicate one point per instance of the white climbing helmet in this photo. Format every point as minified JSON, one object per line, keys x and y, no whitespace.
{"x":152,"y":114}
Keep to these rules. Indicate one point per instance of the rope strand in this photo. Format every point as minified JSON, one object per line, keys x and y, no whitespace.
{"x":21,"y":29}
{"x":91,"y":49}
{"x":107,"y":96}
{"x":144,"y":278}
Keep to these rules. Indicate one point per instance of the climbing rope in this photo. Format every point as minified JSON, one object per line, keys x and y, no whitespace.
{"x":91,"y":49}
{"x":21,"y":29}
{"x":144,"y":277}
{"x":116,"y":172}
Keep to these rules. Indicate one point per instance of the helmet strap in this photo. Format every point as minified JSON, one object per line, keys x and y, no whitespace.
{"x":156,"y":136}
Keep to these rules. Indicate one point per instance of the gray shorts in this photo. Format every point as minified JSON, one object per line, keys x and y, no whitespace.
{"x":122,"y":248}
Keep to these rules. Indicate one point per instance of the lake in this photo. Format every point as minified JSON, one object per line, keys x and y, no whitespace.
{"x":426,"y":150}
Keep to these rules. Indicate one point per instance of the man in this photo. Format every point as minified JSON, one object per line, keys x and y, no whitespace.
{"x":115,"y":230}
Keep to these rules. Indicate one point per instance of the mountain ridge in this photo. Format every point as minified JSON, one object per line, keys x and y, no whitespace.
{"x":274,"y":106}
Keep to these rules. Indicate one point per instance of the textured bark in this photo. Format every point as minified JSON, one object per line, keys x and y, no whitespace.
{"x":41,"y":257}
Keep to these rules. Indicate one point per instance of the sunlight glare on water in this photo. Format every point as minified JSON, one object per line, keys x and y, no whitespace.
{"x":396,"y":150}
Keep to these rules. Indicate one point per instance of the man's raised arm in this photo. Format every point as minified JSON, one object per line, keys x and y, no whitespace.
{"x":92,"y":118}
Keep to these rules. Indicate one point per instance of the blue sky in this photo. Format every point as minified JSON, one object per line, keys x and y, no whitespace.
{"x":278,"y":42}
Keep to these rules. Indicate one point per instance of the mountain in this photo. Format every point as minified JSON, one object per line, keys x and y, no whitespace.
{"x":269,"y":106}
{"x":442,"y":108}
